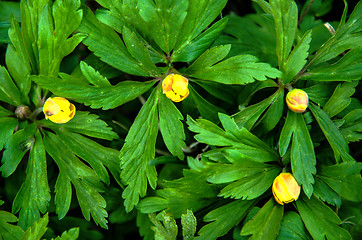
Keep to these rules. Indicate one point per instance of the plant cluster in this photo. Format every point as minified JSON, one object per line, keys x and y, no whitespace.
{"x":133,"y":114}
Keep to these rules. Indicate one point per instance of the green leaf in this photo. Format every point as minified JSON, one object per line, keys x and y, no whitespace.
{"x":348,"y":68}
{"x":297,"y":58}
{"x":224,"y":218}
{"x":71,"y":234}
{"x":165,"y":231}
{"x":84,"y":179}
{"x":302,"y":151}
{"x":15,"y":148}
{"x":321,"y":221}
{"x":240,"y":139}
{"x":206,"y":109}
{"x":333,"y":135}
{"x":285,"y":13}
{"x":240,"y":69}
{"x":34,"y":195}
{"x":93,"y":76}
{"x":266,"y":223}
{"x":344,"y":178}
{"x":7,"y":127}
{"x":106,"y":44}
{"x":139,"y":52}
{"x":9,"y":231}
{"x":171,"y":127}
{"x":292,"y":228}
{"x":208,"y":58}
{"x":95,"y":97}
{"x":191,"y":50}
{"x":188,"y":221}
{"x":138,"y":151}
{"x":192,"y":42}
{"x":166,"y":19}
{"x":37,"y":230}
{"x":352,"y":126}
{"x":247,"y":179}
{"x":4,"y":112}
{"x":86,"y":124}
{"x":9,"y":93}
{"x":340,"y":98}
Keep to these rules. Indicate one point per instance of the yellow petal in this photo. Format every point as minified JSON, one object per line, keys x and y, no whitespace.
{"x":58,"y":110}
{"x":297,"y":100}
{"x":285,"y":188}
{"x":175,"y":87}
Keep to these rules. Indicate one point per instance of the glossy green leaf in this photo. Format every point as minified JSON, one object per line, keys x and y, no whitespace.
{"x":15,"y":148}
{"x":292,"y":228}
{"x":84,"y":179}
{"x":240,"y":69}
{"x":188,"y":222}
{"x":206,"y":109}
{"x":192,"y":49}
{"x":93,"y":76}
{"x":321,"y":221}
{"x":86,"y":124}
{"x":344,"y":178}
{"x":266,"y":223}
{"x":7,"y":127}
{"x":9,"y":231}
{"x":285,"y":13}
{"x":326,"y":193}
{"x":167,"y":230}
{"x":171,"y":127}
{"x":223,"y":219}
{"x":303,"y":158}
{"x":4,"y":112}
{"x":297,"y":58}
{"x":71,"y":234}
{"x":95,"y":97}
{"x":340,"y":98}
{"x":333,"y":135}
{"x":34,"y":195}
{"x":348,"y":68}
{"x":9,"y":93}
{"x":37,"y":230}
{"x":138,"y":151}
{"x":352,"y":126}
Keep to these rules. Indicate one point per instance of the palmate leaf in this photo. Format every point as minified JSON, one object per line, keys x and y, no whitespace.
{"x":340,"y":98}
{"x":37,"y":230}
{"x":239,"y":69}
{"x":321,"y":221}
{"x":303,"y":159}
{"x":84,"y":123}
{"x":240,"y":139}
{"x":192,"y":41}
{"x":333,"y":135}
{"x":344,"y":178}
{"x":292,"y":228}
{"x":138,"y":151}
{"x":9,"y":231}
{"x":348,"y":68}
{"x":56,"y":23}
{"x":84,"y":179}
{"x":224,"y":218}
{"x":34,"y":195}
{"x":15,"y":148}
{"x":106,"y":44}
{"x":95,"y":97}
{"x":285,"y":13}
{"x":266,"y":223}
{"x":247,"y":179}
{"x":171,"y":127}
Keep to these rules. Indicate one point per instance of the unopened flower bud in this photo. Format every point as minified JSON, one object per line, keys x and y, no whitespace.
{"x":22,"y":112}
{"x":285,"y":188}
{"x":297,"y":100}
{"x":58,"y":110}
{"x":175,"y":87}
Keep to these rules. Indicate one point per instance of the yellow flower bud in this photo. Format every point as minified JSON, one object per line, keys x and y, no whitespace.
{"x":58,"y":110}
{"x":297,"y":100}
{"x":175,"y":87}
{"x":285,"y":188}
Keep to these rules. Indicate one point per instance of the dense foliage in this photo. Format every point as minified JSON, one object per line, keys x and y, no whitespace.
{"x":191,"y":157}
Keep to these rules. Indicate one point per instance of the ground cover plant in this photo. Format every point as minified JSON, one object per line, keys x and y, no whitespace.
{"x":180,"y":119}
